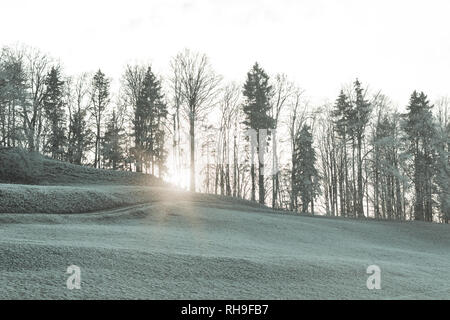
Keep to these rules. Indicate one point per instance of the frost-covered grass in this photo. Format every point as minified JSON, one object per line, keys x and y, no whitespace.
{"x":185,"y":247}
{"x":136,"y":238}
{"x":19,"y":166}
{"x":31,"y":199}
{"x":15,"y":198}
{"x":33,"y":183}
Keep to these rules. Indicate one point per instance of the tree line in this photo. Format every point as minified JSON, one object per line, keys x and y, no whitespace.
{"x":261,"y":140}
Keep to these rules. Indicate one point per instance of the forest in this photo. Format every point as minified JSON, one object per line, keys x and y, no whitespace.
{"x":360,"y":156}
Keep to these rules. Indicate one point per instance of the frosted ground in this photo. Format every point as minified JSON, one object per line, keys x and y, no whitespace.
{"x":182,"y":246}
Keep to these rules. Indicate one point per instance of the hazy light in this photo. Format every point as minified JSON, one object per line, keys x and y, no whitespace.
{"x":396,"y":46}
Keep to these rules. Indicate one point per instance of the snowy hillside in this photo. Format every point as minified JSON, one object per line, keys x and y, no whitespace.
{"x":144,"y":239}
{"x":187,"y":247}
{"x":18,"y":166}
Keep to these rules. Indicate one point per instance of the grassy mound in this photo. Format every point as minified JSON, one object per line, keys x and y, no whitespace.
{"x":19,"y":166}
{"x":32,"y":183}
{"x":17,"y":198}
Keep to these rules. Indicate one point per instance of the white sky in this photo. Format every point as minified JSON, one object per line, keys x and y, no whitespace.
{"x":396,"y":46}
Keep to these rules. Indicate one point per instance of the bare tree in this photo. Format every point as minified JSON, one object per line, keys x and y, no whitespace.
{"x":13,"y":94}
{"x":176,"y":103}
{"x":132,"y":86}
{"x":283,"y":91}
{"x":37,"y":65}
{"x":198,"y":86}
{"x":78,"y":134}
{"x":296,"y":118}
{"x":229,"y":106}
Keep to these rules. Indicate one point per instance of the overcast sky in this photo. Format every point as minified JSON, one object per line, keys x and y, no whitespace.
{"x":396,"y":46}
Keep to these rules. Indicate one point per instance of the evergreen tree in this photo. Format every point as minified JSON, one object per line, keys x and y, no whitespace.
{"x":342,"y":113}
{"x":100,"y":100}
{"x":360,"y":117}
{"x":306,"y":180}
{"x":149,"y":125}
{"x":351,"y":117}
{"x":54,"y":111}
{"x":418,"y":126}
{"x":341,"y":117}
{"x":112,"y":150}
{"x":79,"y":137}
{"x":257,"y":93}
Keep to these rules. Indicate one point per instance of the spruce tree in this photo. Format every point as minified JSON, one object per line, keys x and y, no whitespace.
{"x":341,"y":116}
{"x":306,"y":178}
{"x":54,"y":111}
{"x":418,"y":126}
{"x":79,"y":137}
{"x":99,"y":101}
{"x":257,"y":93}
{"x":150,"y":115}
{"x":112,"y":150}
{"x":360,"y":117}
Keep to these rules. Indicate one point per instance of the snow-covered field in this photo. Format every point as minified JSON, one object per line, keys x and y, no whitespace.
{"x":196,"y":247}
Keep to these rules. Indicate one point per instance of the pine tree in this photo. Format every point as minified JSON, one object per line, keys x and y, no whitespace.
{"x":79,"y":137}
{"x":149,"y":125}
{"x":341,"y":116}
{"x":257,"y":93}
{"x":360,"y":117}
{"x":100,"y":100}
{"x":351,"y":118}
{"x":54,"y":111}
{"x":418,"y":126}
{"x":306,"y":179}
{"x":112,"y":150}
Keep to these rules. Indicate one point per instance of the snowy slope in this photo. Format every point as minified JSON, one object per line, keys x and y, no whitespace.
{"x":19,"y":166}
{"x":185,"y":246}
{"x":17,"y":198}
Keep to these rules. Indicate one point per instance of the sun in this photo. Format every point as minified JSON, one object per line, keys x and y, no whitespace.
{"x":178,"y":175}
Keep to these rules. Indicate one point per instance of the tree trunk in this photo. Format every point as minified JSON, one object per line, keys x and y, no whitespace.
{"x":347,"y":184}
{"x":192,"y":143}
{"x":260,"y":151}
{"x":253,"y":174}
{"x":360,"y":208}
{"x":376,"y":185}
